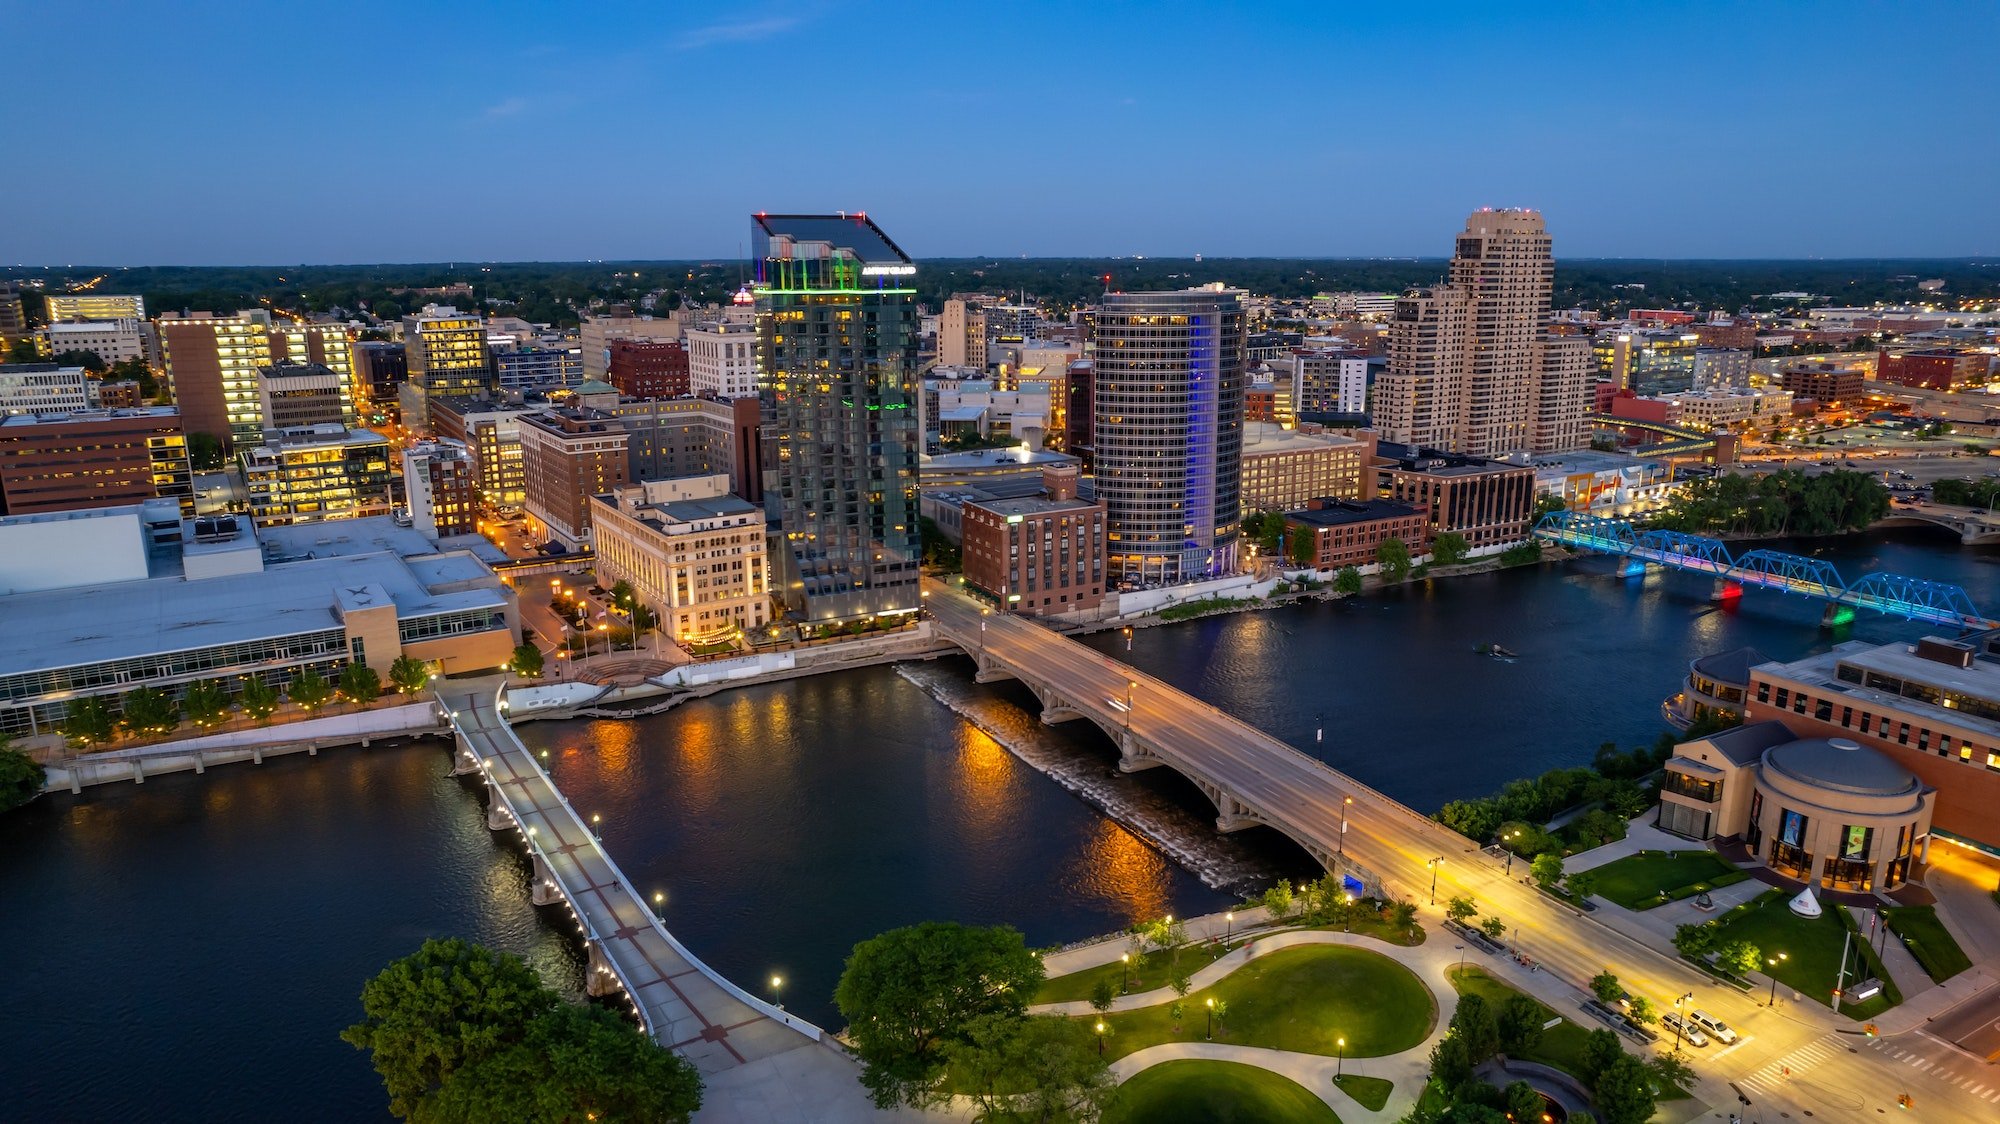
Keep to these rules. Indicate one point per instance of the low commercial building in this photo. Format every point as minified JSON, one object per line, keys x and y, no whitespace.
{"x":43,"y":388}
{"x":1939,"y":368}
{"x":290,"y":395}
{"x":1286,"y":469}
{"x":722,"y":359}
{"x":1347,"y":532}
{"x":1037,"y":554}
{"x":1823,"y":382}
{"x":147,"y":600}
{"x":649,"y":368}
{"x":694,"y":554}
{"x":93,"y":458}
{"x":526,"y":370}
{"x":316,"y":472}
{"x":1828,"y":812}
{"x":1933,"y":707}
{"x":442,"y":486}
{"x":1603,"y":481}
{"x":1732,"y":409}
{"x":113,"y":341}
{"x":1489,"y":502}
{"x":567,"y":456}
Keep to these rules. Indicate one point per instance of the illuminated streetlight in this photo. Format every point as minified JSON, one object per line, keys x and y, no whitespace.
{"x":1771,"y":962}
{"x":1229,"y":927}
{"x":1434,"y":864}
{"x":1340,"y":1058}
{"x":1211,"y":1019}
{"x":1340,"y":845}
{"x":777,"y":993}
{"x":1100,"y":1038}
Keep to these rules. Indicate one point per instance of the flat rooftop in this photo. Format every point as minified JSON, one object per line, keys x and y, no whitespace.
{"x":1030,"y":505}
{"x":1898,"y":661}
{"x":1343,"y":512}
{"x":338,"y":538}
{"x":1270,"y":437}
{"x":1435,"y":462}
{"x":127,"y":620}
{"x":1593,"y":461}
{"x":657,"y":515}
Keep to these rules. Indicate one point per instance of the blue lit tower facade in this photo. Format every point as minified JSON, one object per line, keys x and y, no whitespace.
{"x":837,"y":336}
{"x":1168,"y":429}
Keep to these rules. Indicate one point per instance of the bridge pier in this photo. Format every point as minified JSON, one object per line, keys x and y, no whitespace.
{"x":544,"y":890}
{"x":1051,"y":715}
{"x":1836,"y":615}
{"x":598,"y":978}
{"x":1726,"y":590}
{"x":1132,"y":757}
{"x":1633,"y":568}
{"x":988,"y":670}
{"x":498,"y":818}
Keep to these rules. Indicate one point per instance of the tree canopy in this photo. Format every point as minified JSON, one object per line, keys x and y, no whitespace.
{"x":21,"y":776}
{"x":909,"y":993}
{"x":1787,"y":502}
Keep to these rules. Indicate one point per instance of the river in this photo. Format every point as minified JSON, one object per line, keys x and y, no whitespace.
{"x":199,"y":941}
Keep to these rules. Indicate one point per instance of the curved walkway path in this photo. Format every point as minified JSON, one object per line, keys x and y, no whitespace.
{"x":1430,"y":962}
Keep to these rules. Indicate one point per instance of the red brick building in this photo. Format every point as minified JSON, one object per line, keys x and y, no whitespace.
{"x":1346,"y":532}
{"x":1738,"y":334}
{"x":1939,"y":368}
{"x":93,"y":458}
{"x":1822,"y":382}
{"x":1489,"y":502}
{"x":649,"y":369}
{"x":1042,"y":554}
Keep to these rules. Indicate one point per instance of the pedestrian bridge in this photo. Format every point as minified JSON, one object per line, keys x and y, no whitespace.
{"x":1252,"y":778}
{"x":679,"y":1001}
{"x":1916,"y":599}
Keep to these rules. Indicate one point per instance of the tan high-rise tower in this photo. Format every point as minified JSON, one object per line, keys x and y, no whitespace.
{"x":1469,"y":367}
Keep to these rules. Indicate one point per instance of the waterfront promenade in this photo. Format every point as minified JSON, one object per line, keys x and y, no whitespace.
{"x":758,"y":1063}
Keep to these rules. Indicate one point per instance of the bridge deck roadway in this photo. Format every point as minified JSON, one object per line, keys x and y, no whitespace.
{"x":683,"y":1004}
{"x":1302,"y":795}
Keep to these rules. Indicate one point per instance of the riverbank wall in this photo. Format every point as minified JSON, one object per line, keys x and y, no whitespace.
{"x":309,"y":736}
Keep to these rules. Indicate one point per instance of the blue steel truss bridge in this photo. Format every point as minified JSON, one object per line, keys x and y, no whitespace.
{"x":1895,"y":595}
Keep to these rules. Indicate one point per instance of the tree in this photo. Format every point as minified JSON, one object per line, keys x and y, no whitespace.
{"x":1475,"y":1023}
{"x":24,"y":351}
{"x":1671,"y":1069}
{"x":409,"y":674}
{"x":910,"y":991}
{"x":1546,"y":870}
{"x":1041,"y":1068}
{"x":1625,"y":799}
{"x":1624,"y":1092}
{"x":308,"y":688}
{"x":1393,"y":555}
{"x":644,"y":618}
{"x":622,"y":595}
{"x":1347,"y":581}
{"x":1694,"y":941}
{"x":527,"y":661}
{"x":1599,"y":827}
{"x":1523,"y":1102}
{"x":1221,"y":1009}
{"x":21,"y":776}
{"x":575,"y":1063}
{"x":1520,"y":1024}
{"x":149,"y":710}
{"x":1461,"y":910}
{"x":359,"y":683}
{"x":206,"y":702}
{"x":1581,"y":884}
{"x":1449,"y":549}
{"x":1493,"y":927}
{"x":204,"y":451}
{"x":1474,"y":819}
{"x":1641,"y":1011}
{"x":258,"y":699}
{"x":1606,"y":987}
{"x":1181,"y":982}
{"x":1101,"y":995}
{"x":1740,"y":957}
{"x":89,"y":721}
{"x":88,"y":360}
{"x":1302,"y":548}
{"x":1278,"y":899}
{"x":447,"y":1005}
{"x":1600,"y":1049}
{"x":1451,"y":1063}
{"x":1404,"y":916}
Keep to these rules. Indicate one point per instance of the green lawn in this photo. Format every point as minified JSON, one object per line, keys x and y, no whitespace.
{"x":1561,"y":1047}
{"x":1372,"y":1092}
{"x":1206,"y":1092}
{"x":1154,"y":969}
{"x":1636,"y":881}
{"x":1302,"y":999}
{"x":1928,"y":941}
{"x":1811,"y":948}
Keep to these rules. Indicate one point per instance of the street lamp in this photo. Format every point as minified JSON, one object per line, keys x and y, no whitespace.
{"x":1125,"y":958}
{"x":1771,"y":963}
{"x":1340,"y":1058}
{"x":1434,"y":864}
{"x":1340,"y":845}
{"x":777,"y":994}
{"x":595,"y":821}
{"x":1680,"y":1019}
{"x":1129,"y":685}
{"x":1228,"y":926}
{"x":1514,"y":834}
{"x":1100,"y":1038}
{"x":1128,"y":637}
{"x":660,"y":903}
{"x":1211,"y":1018}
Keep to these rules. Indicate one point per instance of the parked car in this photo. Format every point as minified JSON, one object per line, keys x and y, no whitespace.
{"x":1714,"y":1026}
{"x":1689,"y":1033}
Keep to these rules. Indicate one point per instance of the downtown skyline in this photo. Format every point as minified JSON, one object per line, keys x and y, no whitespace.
{"x":1696,"y":131}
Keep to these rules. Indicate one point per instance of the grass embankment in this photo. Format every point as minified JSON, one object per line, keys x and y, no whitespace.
{"x":1371,"y":1092}
{"x":1303,"y":999}
{"x":1928,"y":940}
{"x":1652,"y":878}
{"x":1206,"y":1092}
{"x":1811,"y":948}
{"x":1152,"y":970}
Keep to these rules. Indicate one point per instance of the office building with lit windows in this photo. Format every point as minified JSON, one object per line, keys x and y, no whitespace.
{"x":447,"y":356}
{"x":442,"y":487}
{"x":567,"y":456}
{"x":491,"y":431}
{"x":837,"y":336}
{"x":212,"y":364}
{"x":62,"y":307}
{"x":316,"y":472}
{"x":93,"y":458}
{"x":1168,"y":434}
{"x":694,"y":554}
{"x":34,"y":388}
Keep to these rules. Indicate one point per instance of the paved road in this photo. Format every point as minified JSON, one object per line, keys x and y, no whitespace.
{"x":1304,"y":798}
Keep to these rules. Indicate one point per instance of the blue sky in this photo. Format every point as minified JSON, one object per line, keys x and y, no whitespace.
{"x":208,"y":133}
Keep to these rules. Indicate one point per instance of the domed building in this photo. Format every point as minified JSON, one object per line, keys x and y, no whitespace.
{"x":1829,"y":812}
{"x":1715,"y":687}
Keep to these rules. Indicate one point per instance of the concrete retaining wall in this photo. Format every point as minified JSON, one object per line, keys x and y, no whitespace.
{"x":253,"y":745}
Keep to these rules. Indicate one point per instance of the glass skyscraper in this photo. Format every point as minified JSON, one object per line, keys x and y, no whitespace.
{"x":1169,"y":432}
{"x":837,"y":336}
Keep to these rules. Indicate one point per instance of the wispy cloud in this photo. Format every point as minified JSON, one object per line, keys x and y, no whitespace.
{"x":505,"y":107}
{"x":733,"y":31}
